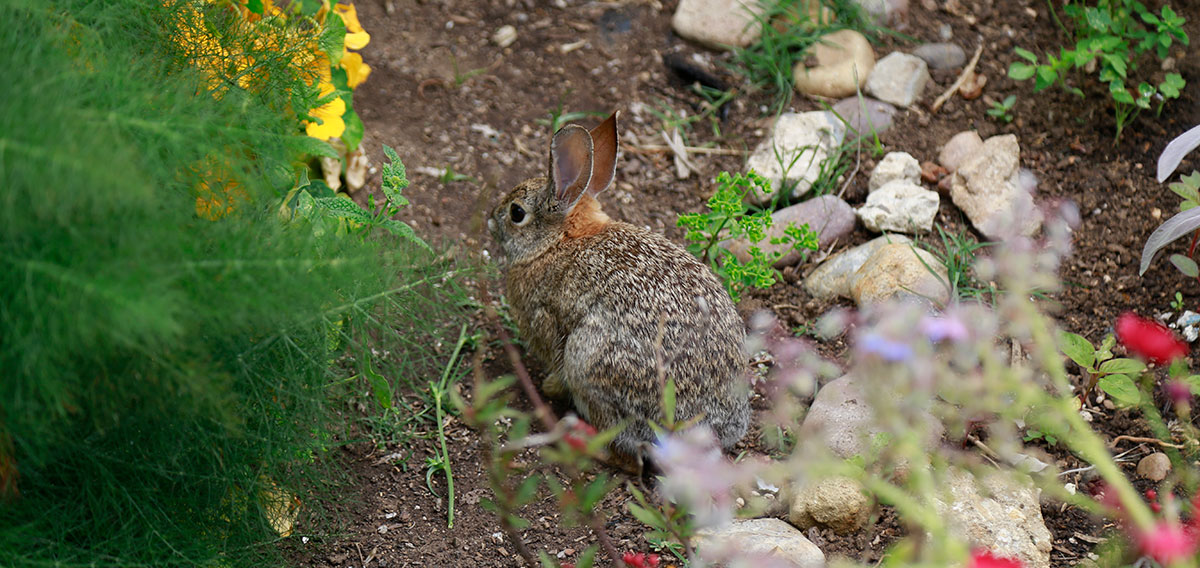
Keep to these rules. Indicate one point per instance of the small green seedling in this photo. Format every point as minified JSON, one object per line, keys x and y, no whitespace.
{"x":1177,"y":304}
{"x":1113,"y":375}
{"x":1002,"y":110}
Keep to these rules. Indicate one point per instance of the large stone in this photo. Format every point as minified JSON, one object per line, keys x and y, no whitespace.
{"x":883,"y":12}
{"x":901,"y":206}
{"x":838,"y":503}
{"x":987,"y":188}
{"x":864,"y":115}
{"x":828,"y":215}
{"x":764,"y":537}
{"x":719,"y":24}
{"x":960,"y":147}
{"x":1154,"y":467}
{"x":795,"y":152}
{"x":899,"y":79}
{"x":900,"y":272}
{"x":834,"y":276}
{"x":844,"y":59}
{"x":843,"y":420}
{"x":894,"y":166}
{"x":998,"y":514}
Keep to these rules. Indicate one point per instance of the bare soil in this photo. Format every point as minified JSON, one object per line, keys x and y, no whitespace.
{"x":445,"y":96}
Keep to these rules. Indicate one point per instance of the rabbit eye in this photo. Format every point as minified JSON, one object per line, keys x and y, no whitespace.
{"x":516,"y":213}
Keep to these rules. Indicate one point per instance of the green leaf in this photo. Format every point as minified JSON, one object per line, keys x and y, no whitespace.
{"x":333,"y":40}
{"x":587,"y":558}
{"x":653,"y":519}
{"x":1193,"y":382}
{"x":379,"y":387}
{"x":254,"y":6}
{"x":353,"y":134}
{"x":344,"y":208}
{"x":526,"y":491}
{"x":1185,"y":265}
{"x":1123,"y":366}
{"x":1078,"y":348}
{"x":594,"y":492}
{"x":1045,"y":77}
{"x":310,"y":146}
{"x":1021,"y":71}
{"x":402,"y":229}
{"x":1025,"y":54}
{"x":1172,"y":84}
{"x":1121,"y":388}
{"x":669,"y":402}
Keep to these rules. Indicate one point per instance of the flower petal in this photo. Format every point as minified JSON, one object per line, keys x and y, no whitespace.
{"x":356,"y":70}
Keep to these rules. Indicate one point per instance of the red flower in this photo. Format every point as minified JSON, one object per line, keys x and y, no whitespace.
{"x":1167,"y":542}
{"x":981,"y":558}
{"x":579,"y":434}
{"x":640,"y":560}
{"x":1149,"y":339}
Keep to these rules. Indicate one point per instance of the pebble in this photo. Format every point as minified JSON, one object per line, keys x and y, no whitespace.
{"x":833,"y":277}
{"x":837,"y":503}
{"x":999,"y":514}
{"x":901,"y":206}
{"x":895,"y":166}
{"x":828,"y":215}
{"x":987,"y":188}
{"x":718,"y":24}
{"x":941,"y":55}
{"x":844,"y":59}
{"x":800,"y":142}
{"x":865,"y":115}
{"x":505,"y":36}
{"x":900,"y":272}
{"x":899,"y":79}
{"x":1154,"y":467}
{"x":761,"y":537}
{"x":960,"y":147}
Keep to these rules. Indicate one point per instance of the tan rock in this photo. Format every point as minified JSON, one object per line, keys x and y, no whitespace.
{"x":900,"y":271}
{"x":718,"y":24}
{"x":838,"y":503}
{"x":844,"y":59}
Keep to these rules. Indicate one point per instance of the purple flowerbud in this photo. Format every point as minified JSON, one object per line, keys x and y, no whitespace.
{"x":884,"y":348}
{"x":1178,"y":391}
{"x":944,"y":328}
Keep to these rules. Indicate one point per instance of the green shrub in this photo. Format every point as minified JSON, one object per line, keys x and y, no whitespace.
{"x":166,"y":377}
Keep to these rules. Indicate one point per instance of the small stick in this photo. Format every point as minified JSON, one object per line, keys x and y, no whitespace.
{"x":653,"y":149}
{"x":962,"y":78}
{"x":1141,"y":440}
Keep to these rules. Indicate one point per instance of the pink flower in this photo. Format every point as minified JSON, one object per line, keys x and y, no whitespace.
{"x":1178,"y":391}
{"x":640,"y":560}
{"x":1149,"y":339}
{"x":981,"y":558}
{"x":1166,"y":542}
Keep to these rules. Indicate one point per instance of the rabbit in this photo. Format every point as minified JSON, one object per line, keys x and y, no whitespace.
{"x":614,"y":310}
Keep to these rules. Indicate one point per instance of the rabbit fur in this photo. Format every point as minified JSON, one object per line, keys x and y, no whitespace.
{"x":613,"y":310}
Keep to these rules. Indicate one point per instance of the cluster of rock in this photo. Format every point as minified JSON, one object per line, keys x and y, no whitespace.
{"x":982,"y":178}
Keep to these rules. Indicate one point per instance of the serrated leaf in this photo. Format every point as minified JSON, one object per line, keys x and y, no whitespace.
{"x":1193,"y":383}
{"x":1123,"y":366}
{"x":487,"y":390}
{"x":343,"y":207}
{"x":1078,"y":348}
{"x":1169,"y":160}
{"x":333,"y":40}
{"x":1185,"y":265}
{"x":1177,"y":226}
{"x":402,"y":229}
{"x":1121,"y":388}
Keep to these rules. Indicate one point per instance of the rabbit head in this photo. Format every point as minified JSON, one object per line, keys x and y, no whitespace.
{"x":542,"y":211}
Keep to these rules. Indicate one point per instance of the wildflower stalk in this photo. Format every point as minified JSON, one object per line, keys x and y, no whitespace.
{"x":439,"y":393}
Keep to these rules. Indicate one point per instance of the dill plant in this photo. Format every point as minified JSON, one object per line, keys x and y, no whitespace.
{"x":168,"y":378}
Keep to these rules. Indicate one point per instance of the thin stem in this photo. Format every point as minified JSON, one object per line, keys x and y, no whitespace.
{"x":441,"y":420}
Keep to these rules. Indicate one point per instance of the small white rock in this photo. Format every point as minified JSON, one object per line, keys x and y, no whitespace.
{"x":895,"y":166}
{"x":505,"y":36}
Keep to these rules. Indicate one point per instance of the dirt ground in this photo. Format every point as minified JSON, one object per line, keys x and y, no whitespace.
{"x":445,"y":96}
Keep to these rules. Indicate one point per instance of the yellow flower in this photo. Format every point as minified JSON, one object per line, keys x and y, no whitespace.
{"x":356,"y":70}
{"x":356,"y":36}
{"x":329,"y":115}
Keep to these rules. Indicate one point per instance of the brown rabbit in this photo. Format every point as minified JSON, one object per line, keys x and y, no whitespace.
{"x":613,"y":310}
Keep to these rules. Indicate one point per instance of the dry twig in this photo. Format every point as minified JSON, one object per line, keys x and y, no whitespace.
{"x":967,"y":71}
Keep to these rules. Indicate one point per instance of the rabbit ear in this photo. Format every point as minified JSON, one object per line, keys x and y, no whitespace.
{"x":604,"y":167}
{"x":570,"y":163}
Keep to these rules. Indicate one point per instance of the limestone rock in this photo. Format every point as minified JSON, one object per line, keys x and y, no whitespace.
{"x":900,"y":206}
{"x":834,"y":276}
{"x":718,"y":24}
{"x":844,"y":59}
{"x":794,"y":152}
{"x":900,"y":271}
{"x":899,"y":79}
{"x":894,"y":166}
{"x":987,"y":188}
{"x":842,"y":418}
{"x":770,"y":537}
{"x":998,"y":514}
